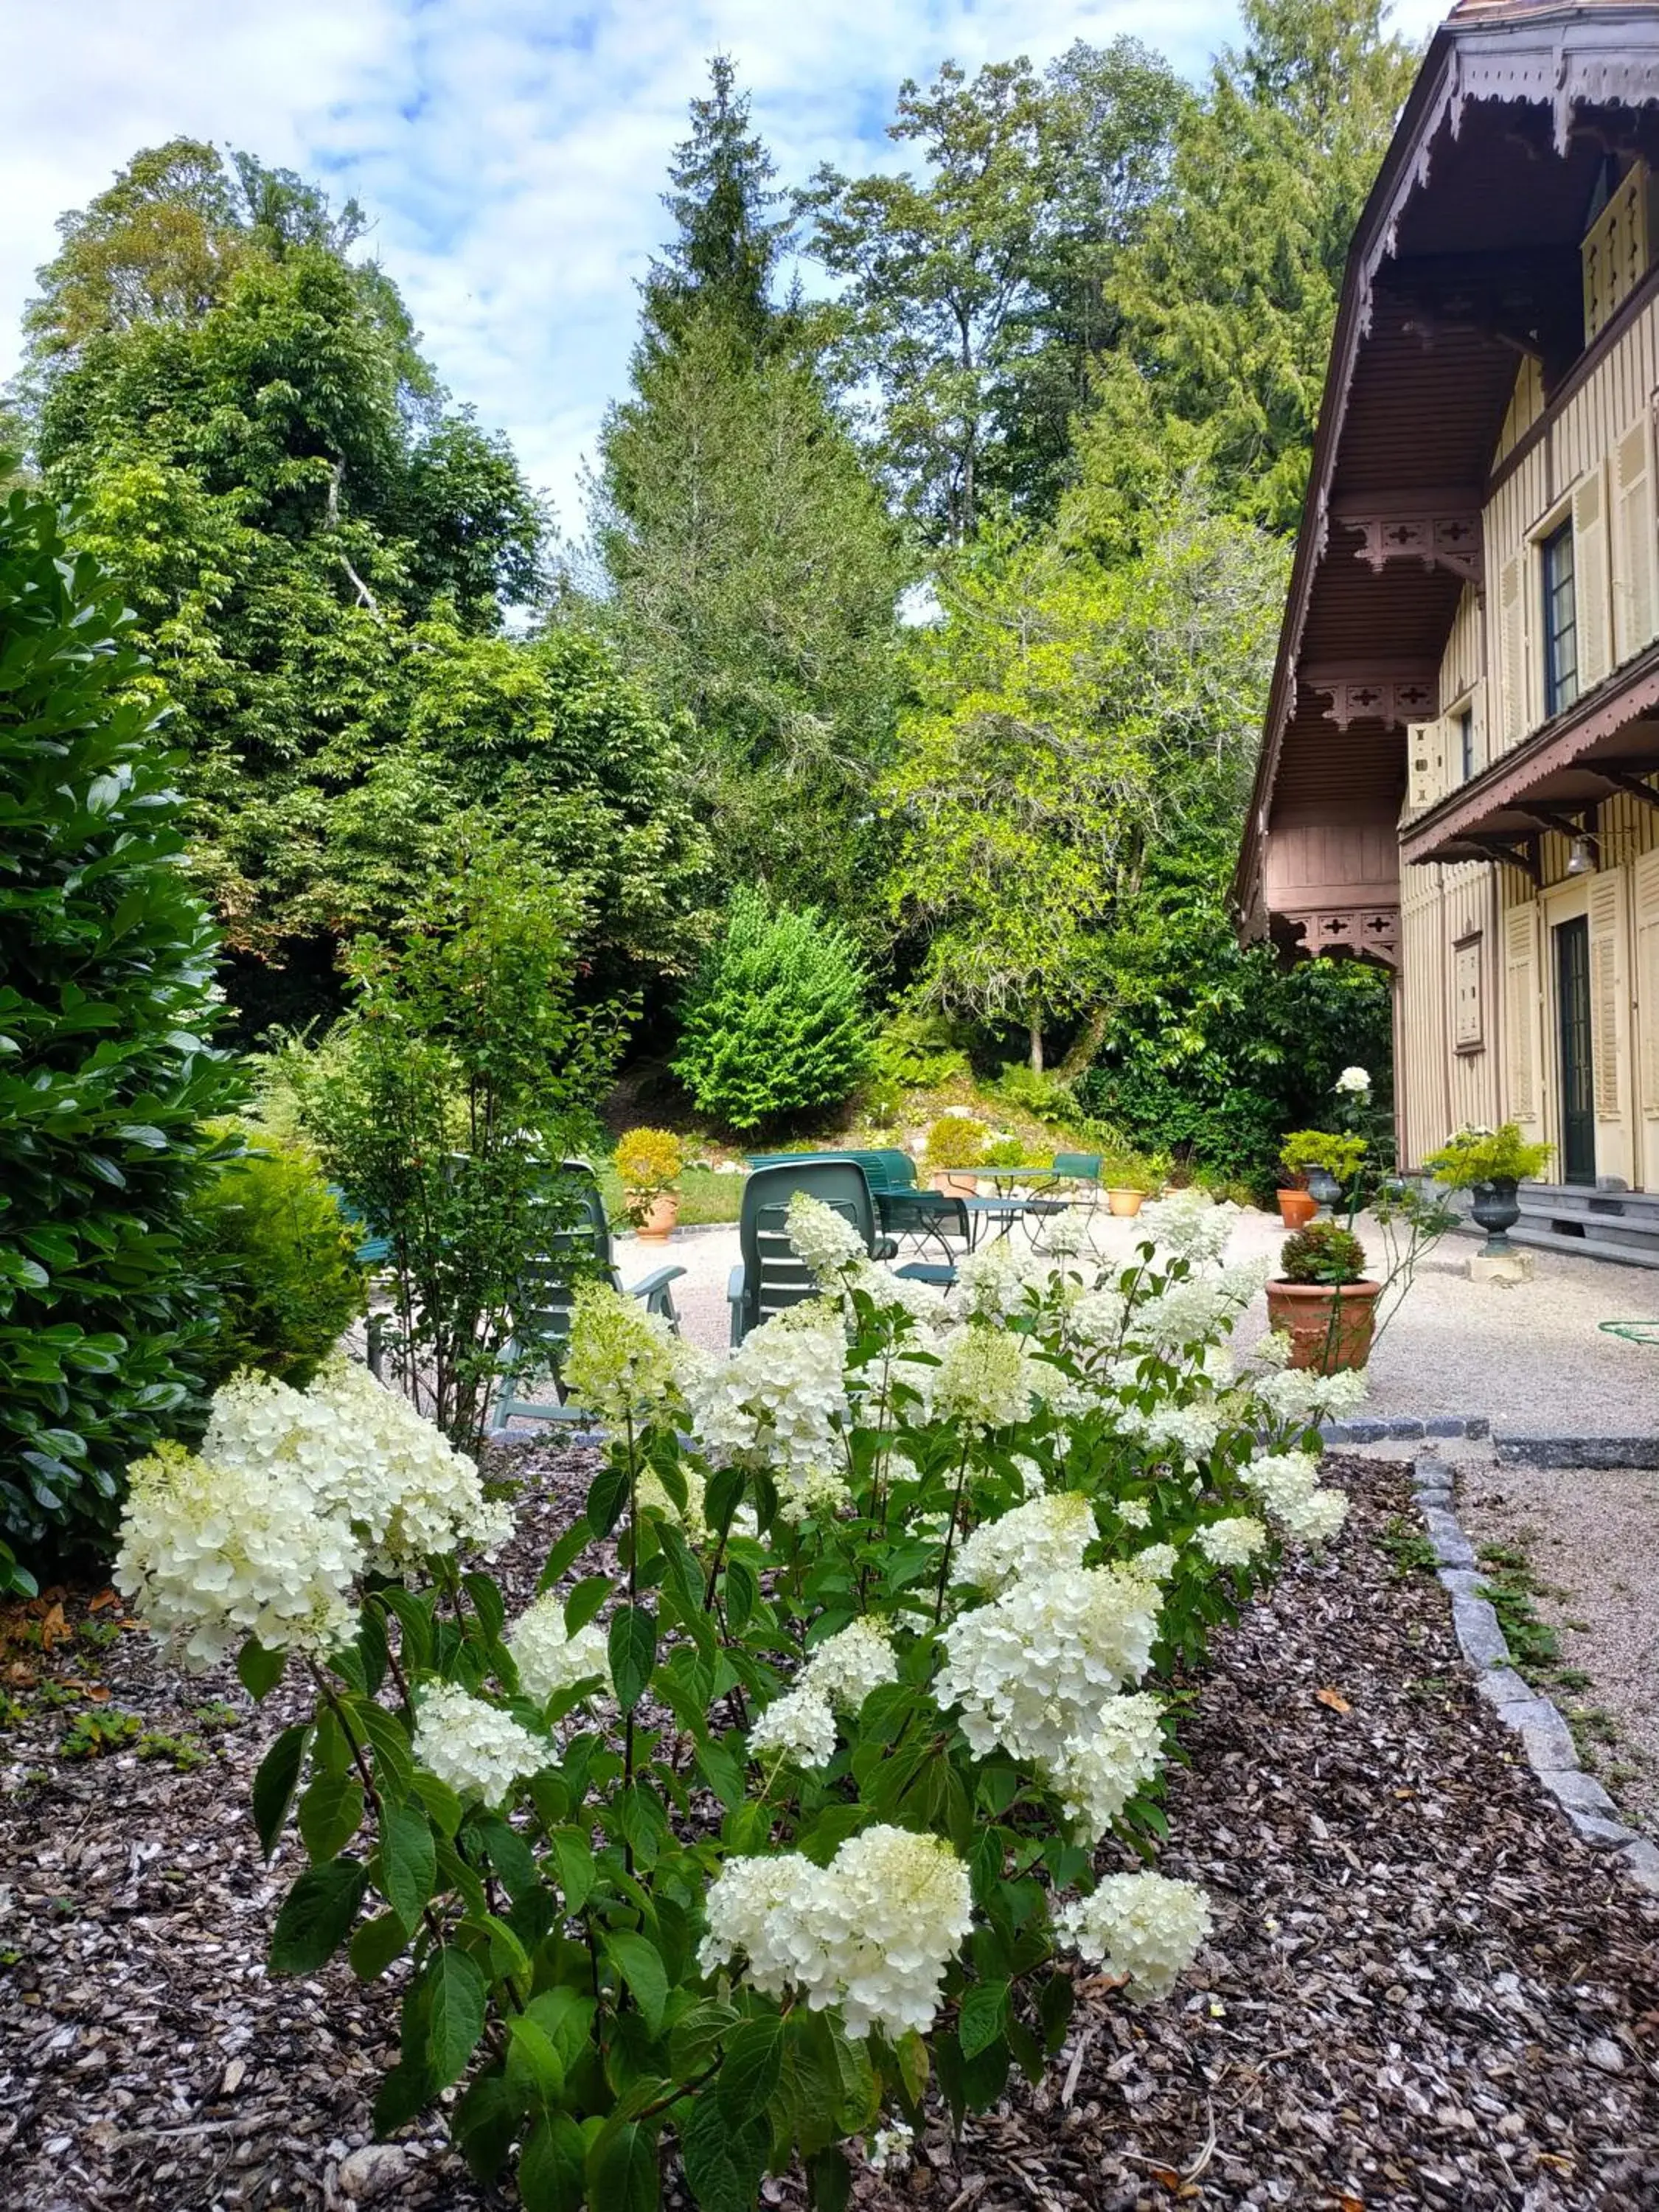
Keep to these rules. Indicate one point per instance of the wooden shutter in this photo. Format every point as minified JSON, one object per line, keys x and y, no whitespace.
{"x":1645,"y":878}
{"x":1521,"y":1014}
{"x":1635,"y":553}
{"x":1591,"y":597}
{"x":1514,"y":718}
{"x":1426,"y":751}
{"x":1608,"y":993}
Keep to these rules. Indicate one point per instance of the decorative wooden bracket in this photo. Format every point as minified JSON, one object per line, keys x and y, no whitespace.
{"x":1368,"y":933}
{"x":1520,"y":852}
{"x":1441,"y":529}
{"x":1394,"y":693}
{"x":1620,"y":781}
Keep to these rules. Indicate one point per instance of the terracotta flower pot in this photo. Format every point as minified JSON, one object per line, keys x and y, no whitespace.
{"x":954,"y":1185}
{"x":657,"y":1216}
{"x":1330,"y":1325}
{"x":1296,"y":1208}
{"x":1125,"y":1203}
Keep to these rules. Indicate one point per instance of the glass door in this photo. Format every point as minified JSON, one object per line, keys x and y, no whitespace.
{"x":1573,"y":1009}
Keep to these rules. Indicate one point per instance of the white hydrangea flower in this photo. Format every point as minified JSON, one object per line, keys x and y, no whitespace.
{"x":1316,"y":1518}
{"x":847,"y":1666}
{"x":1143,"y":1926}
{"x":1273,"y":1351}
{"x":1067,"y":1234}
{"x":1192,"y":1430}
{"x":890,"y":2148}
{"x":1298,"y":1394}
{"x":1354,"y":1080}
{"x":622,"y":1363}
{"x":827,"y":1241}
{"x":1031,"y":1671}
{"x":799,"y":1726}
{"x":1095,"y":1320}
{"x":809,"y":1490}
{"x":897,"y":1294}
{"x":1184,"y":1313}
{"x":1155,"y":1563}
{"x":1188,"y":1224}
{"x":548,"y":1659}
{"x":780,"y":1400}
{"x":213,"y":1553}
{"x":366,"y":1455}
{"x":479,"y":1751}
{"x":991,"y":1282}
{"x":1282,"y":1481}
{"x":1051,"y":1531}
{"x":983,"y":1379}
{"x":1133,"y":1512}
{"x":872,"y":1932}
{"x":1233,"y":1542}
{"x":1097,"y":1774}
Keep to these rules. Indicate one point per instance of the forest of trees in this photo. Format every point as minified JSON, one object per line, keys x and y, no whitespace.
{"x":931,"y":574}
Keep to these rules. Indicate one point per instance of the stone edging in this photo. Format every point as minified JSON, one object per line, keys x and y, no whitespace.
{"x":1544,"y":1738}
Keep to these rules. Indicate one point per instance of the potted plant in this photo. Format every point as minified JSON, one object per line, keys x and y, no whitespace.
{"x":1127,"y":1192}
{"x":954,"y":1143}
{"x":650,"y":1162}
{"x":1489,"y":1164}
{"x":1322,"y":1299}
{"x":1326,"y":1163}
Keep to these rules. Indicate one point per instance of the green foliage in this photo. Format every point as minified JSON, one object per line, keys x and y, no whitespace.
{"x":1475,"y":1155}
{"x":1227,"y":297}
{"x":1339,"y":1156}
{"x":919,"y":1048}
{"x":107,"y":1071}
{"x":1076,"y":716}
{"x":1323,"y":1252}
{"x":461,"y":1075}
{"x":956,"y":1140}
{"x":267,"y":1233}
{"x":975,"y":296}
{"x":1212,"y":1050}
{"x":775,"y":1022}
{"x":649,"y":1161}
{"x":754,"y":576}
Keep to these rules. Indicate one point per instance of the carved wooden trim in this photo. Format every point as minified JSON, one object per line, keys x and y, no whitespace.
{"x":1439,"y":539}
{"x":1367,"y":931}
{"x":1394,"y":693}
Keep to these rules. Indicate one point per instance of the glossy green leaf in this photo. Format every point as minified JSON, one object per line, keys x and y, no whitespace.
{"x":408,"y":1862}
{"x":552,"y":2176}
{"x":637,"y":1961}
{"x":276,"y":1782}
{"x":316,"y":1916}
{"x":459,"y":1993}
{"x":633,"y":1650}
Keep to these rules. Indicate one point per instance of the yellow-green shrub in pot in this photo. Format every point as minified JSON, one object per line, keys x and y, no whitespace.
{"x":650,"y":1162}
{"x":954,"y":1142}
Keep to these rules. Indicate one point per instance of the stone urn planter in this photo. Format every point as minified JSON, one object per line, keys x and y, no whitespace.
{"x":656,"y":1216}
{"x":1296,"y":1208}
{"x":1323,"y":1187}
{"x":1125,"y":1203}
{"x":1330,"y":1325}
{"x":1497,"y":1207}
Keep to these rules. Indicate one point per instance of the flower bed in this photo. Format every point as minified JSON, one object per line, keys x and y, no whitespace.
{"x":812,"y":1827}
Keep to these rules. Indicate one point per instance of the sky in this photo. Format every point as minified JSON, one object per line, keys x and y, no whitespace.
{"x":509,"y":153}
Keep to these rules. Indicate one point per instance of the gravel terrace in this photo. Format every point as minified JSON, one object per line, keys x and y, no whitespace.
{"x":1422,"y":1990}
{"x":1591,"y":1536}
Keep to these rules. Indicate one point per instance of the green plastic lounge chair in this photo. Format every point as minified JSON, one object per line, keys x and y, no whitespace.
{"x":577,"y":1251}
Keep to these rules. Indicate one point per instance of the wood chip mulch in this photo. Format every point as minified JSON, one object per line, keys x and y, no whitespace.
{"x":1422,"y":1989}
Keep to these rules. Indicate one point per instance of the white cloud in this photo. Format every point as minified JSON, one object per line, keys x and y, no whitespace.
{"x":509,"y":152}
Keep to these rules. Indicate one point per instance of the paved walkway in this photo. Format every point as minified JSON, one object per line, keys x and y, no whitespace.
{"x":1529,"y":1358}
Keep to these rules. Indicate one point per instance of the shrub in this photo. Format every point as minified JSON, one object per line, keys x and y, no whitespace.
{"x":267,"y":1232}
{"x":441,"y":1103}
{"x":774,"y":1023}
{"x":1339,"y":1156}
{"x":1323,"y":1252}
{"x":954,"y":1141}
{"x":1475,"y":1155}
{"x":955,"y":1614}
{"x":1006,"y":1152}
{"x":648,"y":1161}
{"x":107,"y":1071}
{"x":917,"y":1049}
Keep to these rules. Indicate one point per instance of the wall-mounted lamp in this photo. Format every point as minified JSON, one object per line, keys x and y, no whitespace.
{"x":1584,"y":860}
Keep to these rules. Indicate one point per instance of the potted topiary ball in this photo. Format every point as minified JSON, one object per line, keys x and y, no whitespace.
{"x":1321,"y":1299}
{"x":650,"y":1162}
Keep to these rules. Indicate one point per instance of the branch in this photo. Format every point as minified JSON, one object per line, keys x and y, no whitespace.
{"x":365,"y":596}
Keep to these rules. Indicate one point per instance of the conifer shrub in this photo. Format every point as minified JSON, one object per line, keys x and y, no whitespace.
{"x":268,"y":1233}
{"x":775,"y":1023}
{"x":107,"y":1073}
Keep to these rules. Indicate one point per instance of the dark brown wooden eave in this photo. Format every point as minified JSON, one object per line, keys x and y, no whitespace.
{"x":1557,"y":59}
{"x":1425,"y":106}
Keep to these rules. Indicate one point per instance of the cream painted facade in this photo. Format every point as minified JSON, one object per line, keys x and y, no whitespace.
{"x":1479,"y":1014}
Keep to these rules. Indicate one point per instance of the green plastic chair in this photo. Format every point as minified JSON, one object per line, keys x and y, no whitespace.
{"x":578,"y":1250}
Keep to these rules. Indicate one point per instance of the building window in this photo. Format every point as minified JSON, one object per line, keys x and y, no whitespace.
{"x":1465,"y":720}
{"x":1560,"y":622}
{"x":1469,"y":1011}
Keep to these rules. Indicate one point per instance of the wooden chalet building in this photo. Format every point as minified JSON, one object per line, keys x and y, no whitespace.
{"x":1457,"y":773}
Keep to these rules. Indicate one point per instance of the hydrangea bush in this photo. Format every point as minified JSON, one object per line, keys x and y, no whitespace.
{"x":831,"y":1740}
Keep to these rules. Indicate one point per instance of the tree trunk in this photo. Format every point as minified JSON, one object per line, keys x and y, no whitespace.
{"x":1034,"y":1024}
{"x":1084,"y":1045}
